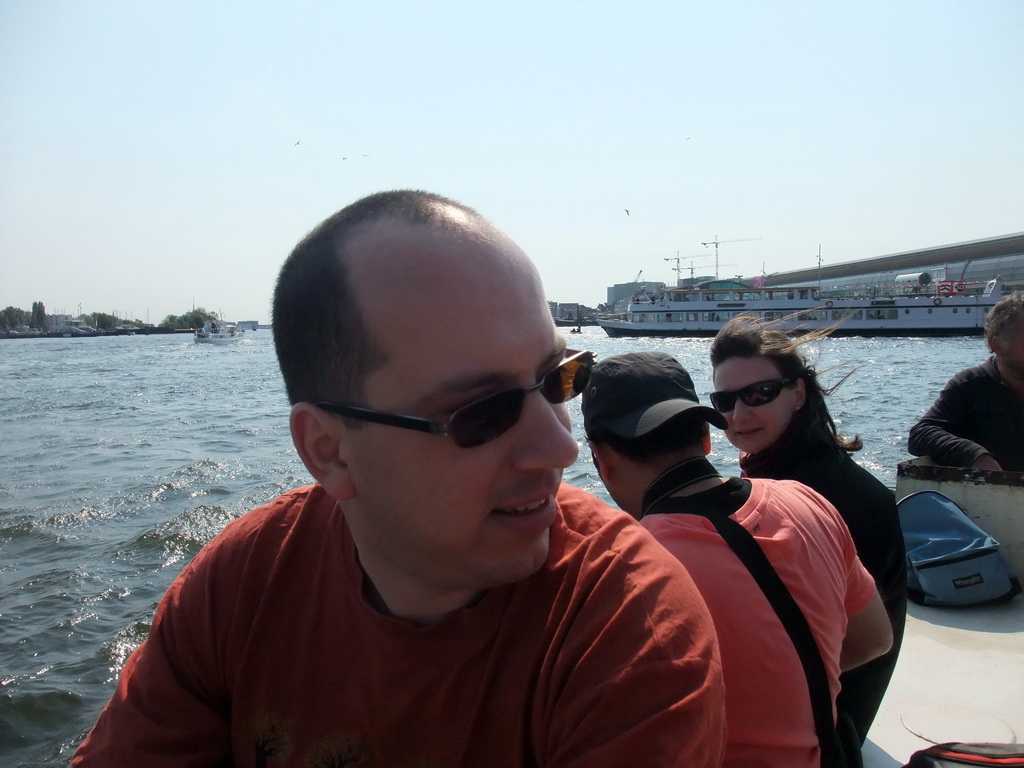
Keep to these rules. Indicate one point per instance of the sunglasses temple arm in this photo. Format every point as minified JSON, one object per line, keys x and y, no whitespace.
{"x":388,"y":419}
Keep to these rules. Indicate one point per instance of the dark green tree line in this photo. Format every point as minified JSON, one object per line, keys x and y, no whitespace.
{"x":192,"y":319}
{"x":12,"y":317}
{"x":38,"y":315}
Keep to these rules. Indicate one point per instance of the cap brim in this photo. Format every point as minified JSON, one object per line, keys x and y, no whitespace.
{"x":645,"y":420}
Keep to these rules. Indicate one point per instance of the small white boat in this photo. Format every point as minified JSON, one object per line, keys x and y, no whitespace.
{"x":960,"y":675}
{"x":214,"y":332}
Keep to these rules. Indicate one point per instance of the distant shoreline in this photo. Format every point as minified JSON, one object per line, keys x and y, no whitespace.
{"x":115,"y":332}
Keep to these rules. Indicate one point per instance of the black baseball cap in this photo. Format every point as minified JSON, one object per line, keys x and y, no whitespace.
{"x":632,"y":394}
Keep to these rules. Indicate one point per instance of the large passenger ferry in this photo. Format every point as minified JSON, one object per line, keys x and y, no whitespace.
{"x":908,"y":308}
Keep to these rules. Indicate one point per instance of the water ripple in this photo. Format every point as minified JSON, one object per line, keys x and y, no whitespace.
{"x":123,"y":456}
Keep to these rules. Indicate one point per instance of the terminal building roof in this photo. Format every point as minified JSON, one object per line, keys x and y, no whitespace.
{"x":974,"y":261}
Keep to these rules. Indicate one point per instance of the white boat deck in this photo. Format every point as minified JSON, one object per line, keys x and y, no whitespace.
{"x":960,"y":677}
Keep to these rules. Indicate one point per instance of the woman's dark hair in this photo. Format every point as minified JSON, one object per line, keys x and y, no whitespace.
{"x":747,"y":336}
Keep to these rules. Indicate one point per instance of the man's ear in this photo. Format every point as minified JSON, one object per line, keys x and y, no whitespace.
{"x":605,"y":459}
{"x":322,"y":442}
{"x":996,"y":346}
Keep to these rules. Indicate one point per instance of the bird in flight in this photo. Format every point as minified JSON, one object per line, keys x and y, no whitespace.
{"x":626,"y":210}
{"x":296,"y":143}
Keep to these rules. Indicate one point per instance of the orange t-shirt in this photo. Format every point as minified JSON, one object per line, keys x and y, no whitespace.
{"x":264,"y":652}
{"x":768,"y":708}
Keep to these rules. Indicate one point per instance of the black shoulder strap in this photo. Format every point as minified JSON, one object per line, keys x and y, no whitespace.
{"x":753,"y":557}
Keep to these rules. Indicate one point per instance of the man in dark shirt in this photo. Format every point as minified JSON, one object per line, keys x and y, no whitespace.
{"x":978,"y":419}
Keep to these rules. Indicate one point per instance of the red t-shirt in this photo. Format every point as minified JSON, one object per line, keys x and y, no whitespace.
{"x":264,"y":652}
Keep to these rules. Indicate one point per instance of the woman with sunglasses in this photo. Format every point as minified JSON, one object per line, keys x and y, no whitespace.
{"x":777,"y":417}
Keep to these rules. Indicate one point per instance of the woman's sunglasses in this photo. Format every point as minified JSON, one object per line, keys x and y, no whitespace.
{"x":485,"y":419}
{"x":752,"y":395}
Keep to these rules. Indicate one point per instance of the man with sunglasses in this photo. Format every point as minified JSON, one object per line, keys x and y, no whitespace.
{"x":649,"y":438}
{"x":438,"y":597}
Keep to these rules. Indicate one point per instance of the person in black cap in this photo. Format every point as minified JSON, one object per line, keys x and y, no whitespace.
{"x":649,"y":437}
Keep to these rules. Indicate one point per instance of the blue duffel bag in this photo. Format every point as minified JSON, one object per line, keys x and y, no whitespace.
{"x":951,"y":561}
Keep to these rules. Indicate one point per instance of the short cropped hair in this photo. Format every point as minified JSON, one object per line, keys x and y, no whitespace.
{"x":683,"y":431}
{"x":324,"y":347}
{"x":1004,"y":317}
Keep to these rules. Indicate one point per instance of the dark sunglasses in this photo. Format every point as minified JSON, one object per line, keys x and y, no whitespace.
{"x":485,"y":419}
{"x":752,"y":395}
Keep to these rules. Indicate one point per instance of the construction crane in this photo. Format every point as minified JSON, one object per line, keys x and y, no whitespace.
{"x":679,"y":270}
{"x":716,"y":242}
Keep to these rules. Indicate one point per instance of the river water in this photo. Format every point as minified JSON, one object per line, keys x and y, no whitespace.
{"x":121,"y":456}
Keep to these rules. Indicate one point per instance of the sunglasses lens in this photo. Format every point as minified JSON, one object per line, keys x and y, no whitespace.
{"x":761,"y":393}
{"x":486,"y":419}
{"x":754,"y":395}
{"x":567,"y":380}
{"x":723,"y":401}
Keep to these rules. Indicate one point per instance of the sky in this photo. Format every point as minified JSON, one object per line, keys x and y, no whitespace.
{"x":160,"y":155}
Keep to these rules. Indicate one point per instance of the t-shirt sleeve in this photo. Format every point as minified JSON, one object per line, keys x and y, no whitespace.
{"x":170,"y":707}
{"x":659,"y":703}
{"x":860,"y":585}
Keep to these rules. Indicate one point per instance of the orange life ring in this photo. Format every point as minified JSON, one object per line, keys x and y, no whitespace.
{"x":936,"y":301}
{"x":828,"y":304}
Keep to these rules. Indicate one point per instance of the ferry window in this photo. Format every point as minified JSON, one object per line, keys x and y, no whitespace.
{"x":882,"y":314}
{"x":847,"y":314}
{"x":692,"y":316}
{"x":812,"y":314}
{"x":955,"y":310}
{"x":712,"y":317}
{"x":667,"y":317}
{"x":967,"y":310}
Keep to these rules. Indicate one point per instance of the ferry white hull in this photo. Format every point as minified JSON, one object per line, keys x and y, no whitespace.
{"x":703,"y":312}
